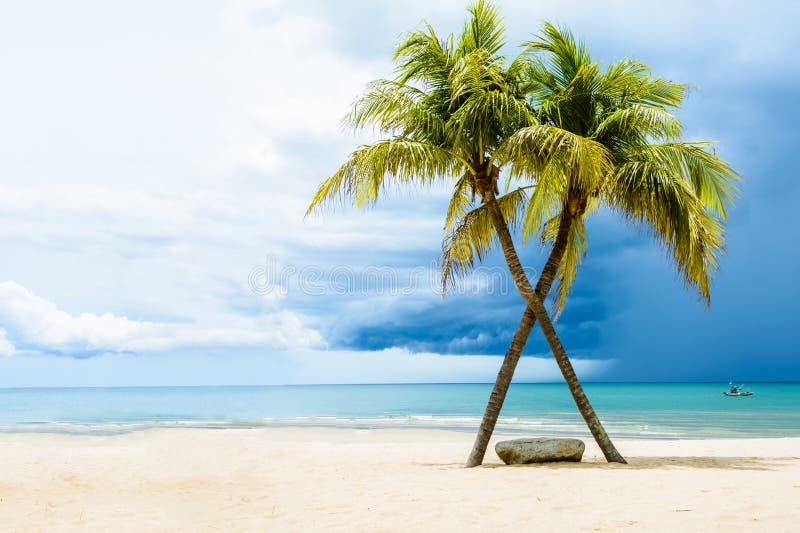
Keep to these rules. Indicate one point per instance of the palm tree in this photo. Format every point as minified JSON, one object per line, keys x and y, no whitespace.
{"x":677,"y":190}
{"x":456,"y":112}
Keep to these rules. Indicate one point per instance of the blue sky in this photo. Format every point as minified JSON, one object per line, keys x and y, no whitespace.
{"x":156,"y":160}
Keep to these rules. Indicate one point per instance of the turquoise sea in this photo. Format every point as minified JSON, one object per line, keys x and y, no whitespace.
{"x":652,"y":410}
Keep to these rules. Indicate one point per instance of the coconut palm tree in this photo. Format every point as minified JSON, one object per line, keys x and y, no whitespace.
{"x":457,"y":112}
{"x":678,"y":191}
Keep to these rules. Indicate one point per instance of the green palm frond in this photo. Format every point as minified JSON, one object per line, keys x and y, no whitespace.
{"x":666,"y":206}
{"x":398,"y":109}
{"x":640,"y":122}
{"x":546,"y":200}
{"x":711,"y":178}
{"x":463,"y":197}
{"x":567,"y":54}
{"x":421,"y":56}
{"x":483,"y":30}
{"x":539,"y":83}
{"x":530,"y":149}
{"x":472,"y":236}
{"x":487,"y":117}
{"x":474,"y":72}
{"x":402,"y":160}
{"x":571,"y":262}
{"x":629,"y":82}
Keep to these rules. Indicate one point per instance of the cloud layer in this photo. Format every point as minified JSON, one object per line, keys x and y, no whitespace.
{"x":32,"y":324}
{"x":144,"y":179}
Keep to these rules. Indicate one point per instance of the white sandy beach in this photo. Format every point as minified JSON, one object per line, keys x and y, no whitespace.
{"x":300,"y":479}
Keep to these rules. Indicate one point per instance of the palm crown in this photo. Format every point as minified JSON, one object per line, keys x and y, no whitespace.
{"x":572,"y":137}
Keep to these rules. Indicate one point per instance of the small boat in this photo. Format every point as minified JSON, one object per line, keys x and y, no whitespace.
{"x":736,"y":390}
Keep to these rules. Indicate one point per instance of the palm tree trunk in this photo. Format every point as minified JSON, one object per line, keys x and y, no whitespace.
{"x":506,"y":373}
{"x":562,"y":359}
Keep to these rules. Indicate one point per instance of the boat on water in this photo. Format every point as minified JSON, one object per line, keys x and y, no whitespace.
{"x":737,"y":390}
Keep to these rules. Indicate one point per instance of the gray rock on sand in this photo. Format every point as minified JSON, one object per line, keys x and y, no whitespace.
{"x":524,"y":451}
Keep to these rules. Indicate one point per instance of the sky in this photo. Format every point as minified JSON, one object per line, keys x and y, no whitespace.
{"x":157,"y":159}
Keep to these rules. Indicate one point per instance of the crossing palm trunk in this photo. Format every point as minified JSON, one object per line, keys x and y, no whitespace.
{"x":506,"y":373}
{"x":540,"y":313}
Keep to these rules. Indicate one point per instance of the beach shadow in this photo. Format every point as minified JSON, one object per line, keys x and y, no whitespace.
{"x":726,"y":463}
{"x":649,"y":463}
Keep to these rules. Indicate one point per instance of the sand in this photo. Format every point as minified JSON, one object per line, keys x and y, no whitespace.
{"x":301,"y":479}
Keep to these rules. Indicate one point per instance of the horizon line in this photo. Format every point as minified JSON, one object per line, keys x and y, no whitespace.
{"x":605,"y":382}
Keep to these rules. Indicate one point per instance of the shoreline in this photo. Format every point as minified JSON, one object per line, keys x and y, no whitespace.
{"x":428,"y":433}
{"x":505,"y":428}
{"x":394,"y":479}
{"x":509,"y":434}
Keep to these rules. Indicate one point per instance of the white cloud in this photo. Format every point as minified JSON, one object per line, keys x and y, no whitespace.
{"x":31,"y":323}
{"x":294,"y":83}
{"x":6,"y":348}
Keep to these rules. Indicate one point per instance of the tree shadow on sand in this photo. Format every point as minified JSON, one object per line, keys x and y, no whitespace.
{"x":651,"y":463}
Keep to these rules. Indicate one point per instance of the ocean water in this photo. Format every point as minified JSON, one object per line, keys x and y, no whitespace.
{"x":653,"y":410}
